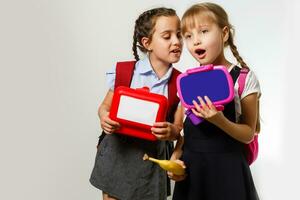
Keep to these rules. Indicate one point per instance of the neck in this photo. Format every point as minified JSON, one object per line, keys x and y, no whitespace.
{"x":159,"y":67}
{"x":221,"y":60}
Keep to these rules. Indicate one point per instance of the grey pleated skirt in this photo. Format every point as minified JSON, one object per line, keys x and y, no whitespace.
{"x":121,"y":172}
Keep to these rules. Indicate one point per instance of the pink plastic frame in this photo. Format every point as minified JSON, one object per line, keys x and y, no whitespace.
{"x":204,"y":68}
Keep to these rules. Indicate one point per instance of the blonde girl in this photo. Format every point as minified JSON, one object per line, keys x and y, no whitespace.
{"x":213,"y":152}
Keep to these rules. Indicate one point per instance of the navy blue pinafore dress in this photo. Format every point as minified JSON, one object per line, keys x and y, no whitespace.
{"x":216,"y":164}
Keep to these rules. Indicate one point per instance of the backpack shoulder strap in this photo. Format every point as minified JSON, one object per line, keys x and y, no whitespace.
{"x":242,"y":80}
{"x":173,"y":99}
{"x":172,"y":89}
{"x":124,"y":73}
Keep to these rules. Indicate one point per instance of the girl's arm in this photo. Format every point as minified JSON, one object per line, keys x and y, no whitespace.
{"x":176,"y":155}
{"x":167,"y":130}
{"x":243,"y":132}
{"x":109,"y":126}
{"x":177,"y":152}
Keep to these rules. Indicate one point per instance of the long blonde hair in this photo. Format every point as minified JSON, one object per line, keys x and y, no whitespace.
{"x":218,"y":15}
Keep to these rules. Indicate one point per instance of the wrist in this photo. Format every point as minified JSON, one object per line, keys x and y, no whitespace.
{"x":176,"y":154}
{"x":175,"y":132}
{"x":103,"y":113}
{"x":217,"y":119}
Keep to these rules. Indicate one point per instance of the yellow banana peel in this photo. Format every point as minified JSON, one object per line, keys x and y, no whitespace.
{"x":167,"y":165}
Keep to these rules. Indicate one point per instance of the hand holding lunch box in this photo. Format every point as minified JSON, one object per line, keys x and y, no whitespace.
{"x":209,"y":80}
{"x":137,"y":110}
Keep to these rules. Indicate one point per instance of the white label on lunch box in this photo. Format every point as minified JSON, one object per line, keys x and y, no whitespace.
{"x":137,"y":110}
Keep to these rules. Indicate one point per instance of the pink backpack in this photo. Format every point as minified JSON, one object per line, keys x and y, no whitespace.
{"x":252,"y":147}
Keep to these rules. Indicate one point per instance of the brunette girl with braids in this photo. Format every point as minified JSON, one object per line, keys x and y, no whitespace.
{"x":119,"y":170}
{"x":213,"y":151}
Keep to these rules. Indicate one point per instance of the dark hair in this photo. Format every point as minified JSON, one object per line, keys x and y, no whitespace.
{"x":144,"y":25}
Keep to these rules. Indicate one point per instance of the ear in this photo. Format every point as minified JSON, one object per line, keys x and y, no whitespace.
{"x":146,"y":43}
{"x":225,"y":33}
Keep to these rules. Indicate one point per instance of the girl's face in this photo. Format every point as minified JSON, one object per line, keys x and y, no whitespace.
{"x":166,"y":44}
{"x":205,"y":41}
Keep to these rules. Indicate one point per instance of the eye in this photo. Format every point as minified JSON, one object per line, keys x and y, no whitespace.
{"x":204,"y":31}
{"x":187,"y":36}
{"x":179,"y":36}
{"x":166,"y":37}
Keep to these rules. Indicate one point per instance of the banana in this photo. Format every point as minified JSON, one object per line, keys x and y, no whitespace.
{"x":167,"y":165}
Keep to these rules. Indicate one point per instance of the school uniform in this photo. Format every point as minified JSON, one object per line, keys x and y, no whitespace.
{"x":216,"y":164}
{"x":120,"y":170}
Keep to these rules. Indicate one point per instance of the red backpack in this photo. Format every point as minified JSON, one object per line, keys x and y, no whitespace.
{"x":251,"y":149}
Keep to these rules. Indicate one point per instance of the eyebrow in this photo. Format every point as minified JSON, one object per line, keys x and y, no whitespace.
{"x":204,"y":25}
{"x":169,"y":31}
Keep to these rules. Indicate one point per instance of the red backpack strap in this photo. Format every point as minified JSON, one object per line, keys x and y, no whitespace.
{"x":124,"y":73}
{"x":242,"y":80}
{"x":173,"y":99}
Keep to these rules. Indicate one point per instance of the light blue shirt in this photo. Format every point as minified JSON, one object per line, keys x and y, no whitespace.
{"x":143,"y":75}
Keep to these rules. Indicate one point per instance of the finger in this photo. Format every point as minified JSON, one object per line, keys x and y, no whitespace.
{"x":196,"y":105}
{"x":180,"y":162}
{"x":160,"y":124}
{"x":160,"y":131}
{"x":202,"y":103}
{"x":208,"y":102}
{"x":107,"y":131}
{"x":107,"y":122}
{"x":112,"y":122}
{"x":198,"y":114}
{"x":176,"y":177}
{"x":169,"y":173}
{"x":106,"y":125}
{"x":160,"y":137}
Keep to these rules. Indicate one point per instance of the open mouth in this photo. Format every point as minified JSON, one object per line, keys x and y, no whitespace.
{"x":200,"y":52}
{"x":176,"y":51}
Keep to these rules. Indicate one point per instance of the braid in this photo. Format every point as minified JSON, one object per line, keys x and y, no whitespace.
{"x":134,"y":49}
{"x":235,"y":52}
{"x":220,"y":17}
{"x":144,"y":26}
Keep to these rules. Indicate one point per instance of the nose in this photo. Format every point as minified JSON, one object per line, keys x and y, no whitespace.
{"x":196,"y":41}
{"x":177,"y":41}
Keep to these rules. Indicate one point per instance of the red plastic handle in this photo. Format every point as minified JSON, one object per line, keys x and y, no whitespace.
{"x":146,"y":89}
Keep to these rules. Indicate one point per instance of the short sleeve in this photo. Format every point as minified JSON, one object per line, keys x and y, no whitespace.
{"x":251,"y":85}
{"x":110,"y":78}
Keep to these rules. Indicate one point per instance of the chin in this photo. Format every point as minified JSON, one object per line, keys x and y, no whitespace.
{"x":204,"y":61}
{"x":174,"y":60}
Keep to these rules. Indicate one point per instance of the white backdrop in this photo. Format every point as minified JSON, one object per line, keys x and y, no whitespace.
{"x":53,"y":57}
